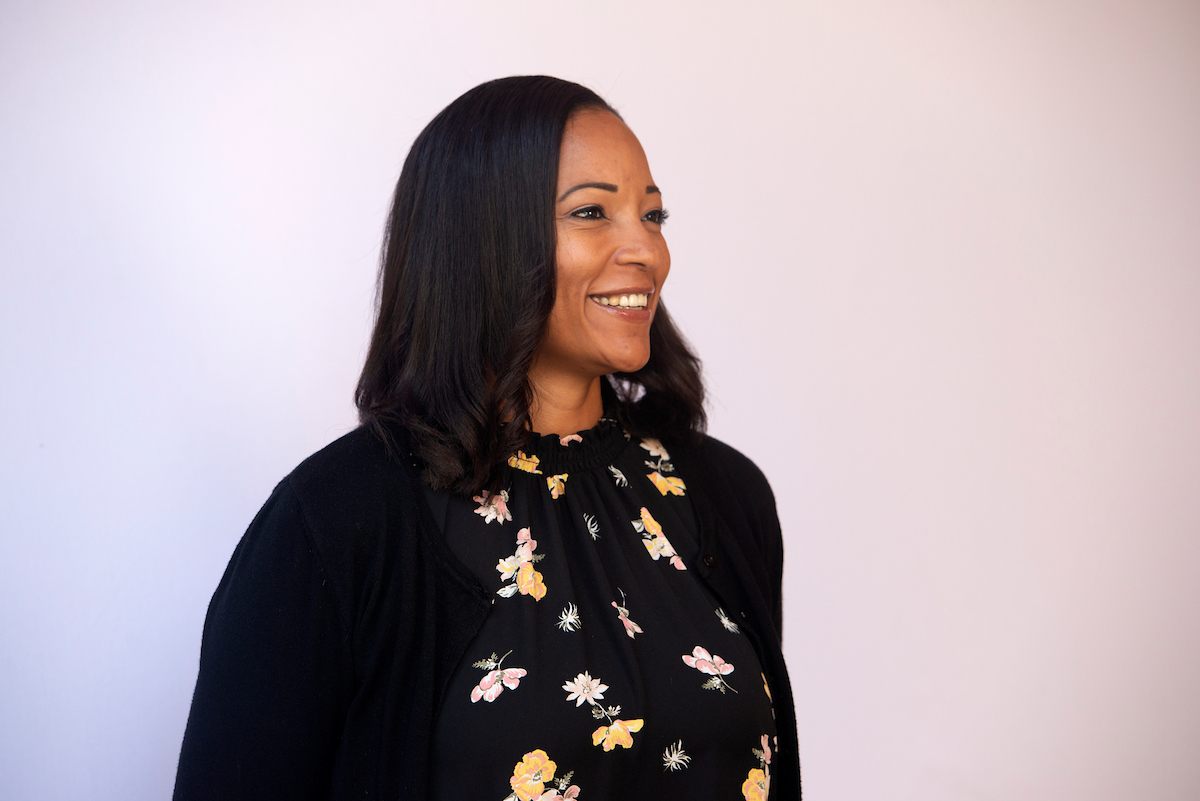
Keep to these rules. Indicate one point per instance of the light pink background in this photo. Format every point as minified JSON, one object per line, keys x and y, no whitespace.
{"x":942,"y":261}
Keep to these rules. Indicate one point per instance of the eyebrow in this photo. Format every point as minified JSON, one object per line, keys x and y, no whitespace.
{"x":650,"y":190}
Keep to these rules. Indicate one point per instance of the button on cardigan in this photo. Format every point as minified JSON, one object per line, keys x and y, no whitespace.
{"x":343,"y":613}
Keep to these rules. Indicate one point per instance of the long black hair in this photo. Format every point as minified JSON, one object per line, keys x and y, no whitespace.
{"x":467,"y":283}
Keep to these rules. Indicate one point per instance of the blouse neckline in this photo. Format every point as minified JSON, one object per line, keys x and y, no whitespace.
{"x":584,"y":450}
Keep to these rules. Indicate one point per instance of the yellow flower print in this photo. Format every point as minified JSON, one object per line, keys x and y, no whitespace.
{"x":657,"y":544}
{"x":531,"y":774}
{"x":758,"y":781}
{"x":529,"y":582}
{"x":755,"y":786}
{"x":650,"y":523}
{"x":557,"y":484}
{"x":522,"y":462}
{"x":619,"y":733}
{"x":666,"y":484}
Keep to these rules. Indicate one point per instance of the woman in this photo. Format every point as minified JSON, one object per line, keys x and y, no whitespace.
{"x":528,"y":574}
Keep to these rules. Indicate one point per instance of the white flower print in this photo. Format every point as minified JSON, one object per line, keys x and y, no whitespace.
{"x":712,"y":665}
{"x":493,"y":507}
{"x":568,"y":618}
{"x":583,"y":688}
{"x":497,"y":679}
{"x":618,"y":733}
{"x":726,"y":622}
{"x":631,"y":628}
{"x":662,"y":464}
{"x":592,"y":526}
{"x":618,"y":477}
{"x":655,"y":447}
{"x":675,"y":758}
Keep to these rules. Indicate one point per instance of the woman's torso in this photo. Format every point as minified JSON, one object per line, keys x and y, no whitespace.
{"x":605,"y":668}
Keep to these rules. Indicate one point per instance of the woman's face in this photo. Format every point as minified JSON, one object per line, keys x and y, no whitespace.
{"x":612,"y":258}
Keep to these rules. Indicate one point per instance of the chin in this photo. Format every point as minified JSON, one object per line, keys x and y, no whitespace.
{"x":630,"y":364}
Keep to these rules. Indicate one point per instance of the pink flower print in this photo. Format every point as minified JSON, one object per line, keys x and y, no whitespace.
{"x":705,"y":662}
{"x":493,"y":507}
{"x":711,"y":664}
{"x":494,"y":683}
{"x":631,"y":628}
{"x":766,"y":747}
{"x":568,"y":439}
{"x":571,"y":793}
{"x":526,"y":545}
{"x":497,"y":679}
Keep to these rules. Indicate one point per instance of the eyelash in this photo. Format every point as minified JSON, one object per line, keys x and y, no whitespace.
{"x":657,"y":216}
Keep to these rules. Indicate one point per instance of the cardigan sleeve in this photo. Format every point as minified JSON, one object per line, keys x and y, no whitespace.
{"x":759,"y":510}
{"x":276,"y":670}
{"x":742,"y":496}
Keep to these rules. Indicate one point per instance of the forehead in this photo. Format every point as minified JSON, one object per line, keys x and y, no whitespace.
{"x":598,"y":145}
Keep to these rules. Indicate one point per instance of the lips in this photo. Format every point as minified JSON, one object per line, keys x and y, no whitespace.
{"x":634,"y":301}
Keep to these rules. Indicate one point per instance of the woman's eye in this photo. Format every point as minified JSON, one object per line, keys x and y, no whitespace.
{"x":589,"y":213}
{"x":656,"y":216}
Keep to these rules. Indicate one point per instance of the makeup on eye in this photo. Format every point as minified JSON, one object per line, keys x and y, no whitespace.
{"x":595,"y":212}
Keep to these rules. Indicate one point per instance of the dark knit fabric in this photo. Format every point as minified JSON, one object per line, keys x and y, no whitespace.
{"x":343,"y":614}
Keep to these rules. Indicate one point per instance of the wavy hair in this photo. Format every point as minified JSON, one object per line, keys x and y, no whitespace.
{"x":467,"y":282}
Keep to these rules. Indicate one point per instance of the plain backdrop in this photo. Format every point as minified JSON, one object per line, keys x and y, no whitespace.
{"x":941,"y":260}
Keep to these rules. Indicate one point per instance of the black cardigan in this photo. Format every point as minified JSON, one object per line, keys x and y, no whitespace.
{"x":342,"y":614}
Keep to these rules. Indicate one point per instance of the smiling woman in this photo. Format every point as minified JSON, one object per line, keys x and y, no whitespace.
{"x":529,"y":521}
{"x":612,"y":261}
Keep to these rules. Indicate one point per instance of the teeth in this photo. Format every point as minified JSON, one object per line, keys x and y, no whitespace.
{"x":638,"y":300}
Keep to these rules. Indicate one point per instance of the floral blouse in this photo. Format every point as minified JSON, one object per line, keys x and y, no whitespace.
{"x":606,"y":669}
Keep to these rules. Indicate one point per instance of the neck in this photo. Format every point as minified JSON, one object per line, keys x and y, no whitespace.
{"x":564,"y":405}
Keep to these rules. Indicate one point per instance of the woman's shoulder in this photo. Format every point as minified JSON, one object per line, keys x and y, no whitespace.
{"x":359,"y":462}
{"x":353,"y":491}
{"x":716,"y":463}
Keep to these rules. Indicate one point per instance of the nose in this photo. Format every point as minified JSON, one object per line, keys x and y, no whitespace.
{"x":639,"y":246}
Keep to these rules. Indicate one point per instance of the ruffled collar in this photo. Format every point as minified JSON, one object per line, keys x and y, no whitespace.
{"x":583,"y":450}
